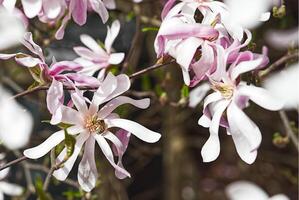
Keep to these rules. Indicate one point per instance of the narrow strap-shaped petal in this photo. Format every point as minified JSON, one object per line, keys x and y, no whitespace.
{"x":79,"y":11}
{"x":62,"y":173}
{"x":114,"y":103}
{"x":245,"y":66}
{"x":42,"y":149}
{"x":116,"y":58}
{"x":87,"y":171}
{"x":52,"y":8}
{"x":120,"y":151}
{"x":136,"y":129}
{"x":211,"y":149}
{"x":92,"y":44}
{"x":99,"y":7}
{"x":261,"y":97}
{"x":246,"y":135}
{"x":112,"y":33}
{"x":108,"y":153}
{"x":197,"y":94}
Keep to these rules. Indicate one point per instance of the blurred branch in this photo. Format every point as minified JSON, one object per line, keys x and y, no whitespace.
{"x":16,"y":161}
{"x":278,"y":63}
{"x":288,"y":128}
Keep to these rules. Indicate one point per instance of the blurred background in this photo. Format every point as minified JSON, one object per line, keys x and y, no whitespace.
{"x":171,"y":169}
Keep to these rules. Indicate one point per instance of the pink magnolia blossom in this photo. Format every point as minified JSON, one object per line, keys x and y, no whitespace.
{"x":232,"y":96}
{"x":91,"y":124}
{"x":64,"y":71}
{"x":77,"y":9}
{"x":94,"y":57}
{"x":244,"y":190}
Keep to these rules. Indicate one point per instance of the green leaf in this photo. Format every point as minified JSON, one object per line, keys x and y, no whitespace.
{"x":146,"y":83}
{"x":69,"y":142}
{"x":185,"y":92}
{"x":42,"y":195}
{"x":147,"y":29}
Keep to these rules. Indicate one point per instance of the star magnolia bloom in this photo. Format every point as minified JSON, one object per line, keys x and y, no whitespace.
{"x":12,"y":29}
{"x":95,"y":58}
{"x":5,"y":187}
{"x":77,"y":9}
{"x":90,"y":125}
{"x":232,"y":96}
{"x":244,"y":190}
{"x":16,"y":123}
{"x":58,"y":70}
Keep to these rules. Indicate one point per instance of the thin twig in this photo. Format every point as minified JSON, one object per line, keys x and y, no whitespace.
{"x":288,"y":128}
{"x":278,"y":63}
{"x":16,"y":161}
{"x":132,"y":76}
{"x":52,"y":169}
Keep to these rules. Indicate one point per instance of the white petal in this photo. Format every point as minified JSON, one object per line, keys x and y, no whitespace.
{"x":211,"y":149}
{"x":32,"y":7}
{"x":246,"y":135}
{"x":116,"y":58}
{"x":261,"y":97}
{"x":114,"y":103}
{"x":10,"y":189}
{"x":111,"y":35}
{"x":108,"y":153}
{"x":196,"y":95}
{"x":279,"y":197}
{"x":92,"y":44}
{"x":136,"y":129}
{"x":244,"y":190}
{"x":16,"y":123}
{"x":52,"y":8}
{"x":283,"y":86}
{"x":87,"y":171}
{"x":119,"y":146}
{"x":245,"y":66}
{"x":62,"y":173}
{"x":46,"y":146}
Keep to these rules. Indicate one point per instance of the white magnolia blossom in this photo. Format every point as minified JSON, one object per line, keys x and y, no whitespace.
{"x":5,"y":187}
{"x":249,"y":14}
{"x":285,"y":85}
{"x":16,"y":122}
{"x":90,"y":125}
{"x":11,"y":29}
{"x":244,"y":190}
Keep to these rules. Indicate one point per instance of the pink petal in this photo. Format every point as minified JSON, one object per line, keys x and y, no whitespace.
{"x":99,"y":7}
{"x":79,"y":11}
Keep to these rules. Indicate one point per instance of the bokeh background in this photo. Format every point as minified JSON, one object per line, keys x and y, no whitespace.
{"x":171,"y":169}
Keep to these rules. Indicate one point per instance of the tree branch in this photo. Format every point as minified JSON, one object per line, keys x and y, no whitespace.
{"x":288,"y":129}
{"x":16,"y":161}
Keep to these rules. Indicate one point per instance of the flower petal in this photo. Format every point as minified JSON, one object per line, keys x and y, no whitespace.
{"x":136,"y":129}
{"x":111,"y":35}
{"x":87,"y":171}
{"x":11,"y":189}
{"x":116,"y":58}
{"x":32,"y":7}
{"x":246,"y":135}
{"x":211,"y":149}
{"x":108,"y":153}
{"x":62,"y":173}
{"x":92,"y":44}
{"x":114,"y":103}
{"x":42,"y":149}
{"x":261,"y":97}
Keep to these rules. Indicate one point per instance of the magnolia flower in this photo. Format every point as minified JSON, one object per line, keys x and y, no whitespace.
{"x":64,"y":71}
{"x":232,"y":96}
{"x":94,"y":57}
{"x":91,"y":124}
{"x":244,"y":190}
{"x":283,"y":85}
{"x":16,"y":122}
{"x":77,"y":9}
{"x":11,"y":29}
{"x":5,"y":187}
{"x":248,"y":14}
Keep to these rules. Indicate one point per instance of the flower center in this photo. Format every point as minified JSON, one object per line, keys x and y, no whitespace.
{"x":95,"y":124}
{"x":226,"y":90}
